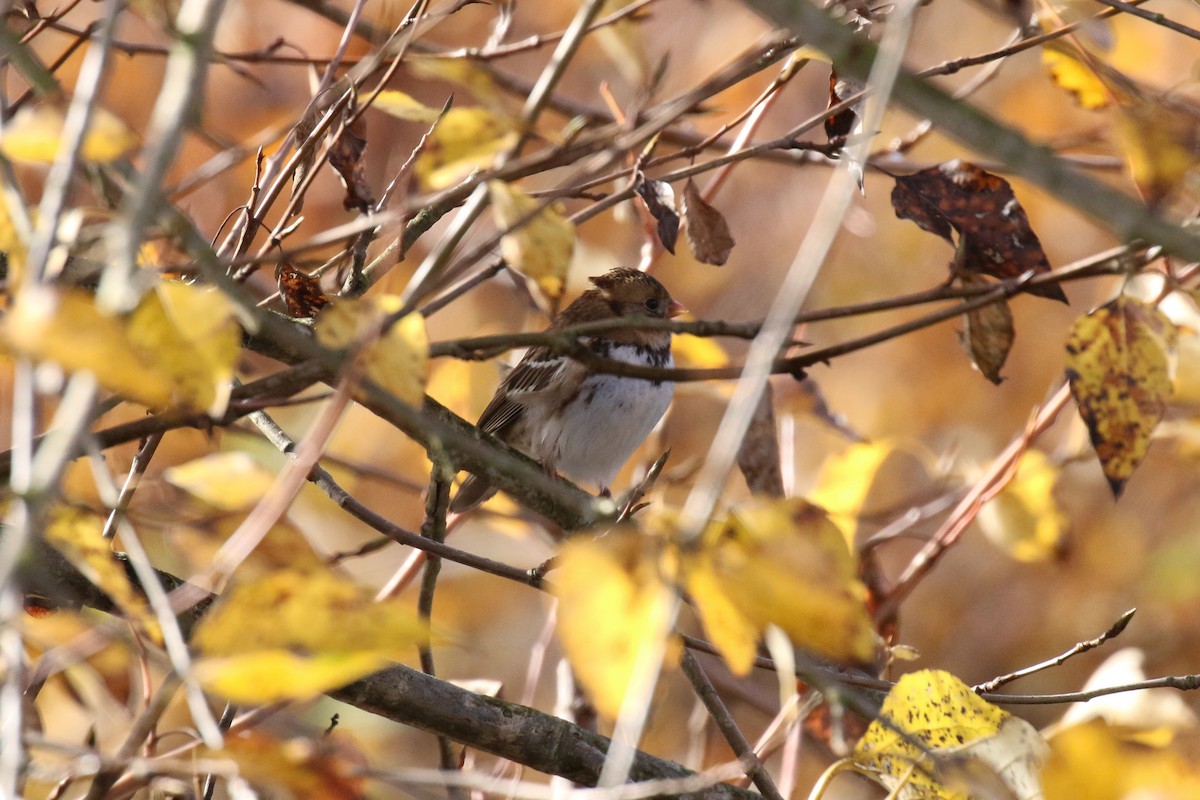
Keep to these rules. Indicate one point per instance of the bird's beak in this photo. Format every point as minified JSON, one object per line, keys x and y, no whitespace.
{"x":675,"y":309}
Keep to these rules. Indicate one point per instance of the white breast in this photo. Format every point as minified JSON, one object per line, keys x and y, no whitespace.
{"x":611,"y":415}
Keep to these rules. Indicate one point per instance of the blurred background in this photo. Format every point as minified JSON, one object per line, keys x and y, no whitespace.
{"x":981,"y":613}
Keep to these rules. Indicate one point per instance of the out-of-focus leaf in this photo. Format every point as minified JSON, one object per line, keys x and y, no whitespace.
{"x":464,"y":139}
{"x":229,"y":481}
{"x":933,"y":729}
{"x":988,"y":332}
{"x":1151,"y":717}
{"x":77,"y":535}
{"x":1076,"y":77}
{"x":34,"y":135}
{"x":403,"y":106}
{"x":190,"y":335}
{"x":781,"y":563}
{"x":707,"y":232}
{"x":396,"y":360}
{"x":301,"y":293}
{"x":659,"y":198}
{"x":994,"y":232}
{"x":177,"y":348}
{"x":540,"y":248}
{"x":1161,"y":140}
{"x":1090,"y":761}
{"x":846,"y":479}
{"x":698,"y":352}
{"x":1025,"y":519}
{"x":1118,"y":364}
{"x":613,"y":609}
{"x":293,"y":634}
{"x":463,"y":72}
{"x":328,"y":767}
{"x":284,"y":546}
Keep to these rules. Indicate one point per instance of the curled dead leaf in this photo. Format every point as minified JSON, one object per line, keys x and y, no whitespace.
{"x":707,"y":232}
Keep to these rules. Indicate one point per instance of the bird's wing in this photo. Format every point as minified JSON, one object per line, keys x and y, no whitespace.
{"x":539,"y":373}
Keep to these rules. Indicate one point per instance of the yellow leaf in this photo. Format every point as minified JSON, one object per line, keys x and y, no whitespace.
{"x":226,"y":481}
{"x":540,"y":247}
{"x":307,"y":612}
{"x":1118,"y":363}
{"x":465,"y":139}
{"x":461,"y":71}
{"x":269,"y":676}
{"x":1076,"y":77}
{"x":931,"y":715}
{"x":846,"y":480}
{"x":1089,"y":761}
{"x":698,"y":352}
{"x":613,"y":610}
{"x":1161,"y":143}
{"x":34,"y":135}
{"x":1024,"y":518}
{"x":396,"y":360}
{"x":335,"y":630}
{"x":67,"y":328}
{"x":77,"y":535}
{"x":284,"y":547}
{"x":12,"y":248}
{"x":781,"y":563}
{"x":403,"y":106}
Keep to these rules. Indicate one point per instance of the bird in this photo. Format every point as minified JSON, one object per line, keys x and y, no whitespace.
{"x":578,"y":423}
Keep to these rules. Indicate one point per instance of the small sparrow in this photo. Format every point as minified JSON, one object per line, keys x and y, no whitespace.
{"x":576,"y":422}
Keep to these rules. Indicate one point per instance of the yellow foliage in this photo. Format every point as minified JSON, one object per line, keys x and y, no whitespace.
{"x":1091,"y":761}
{"x":698,"y":352}
{"x":1025,"y":519}
{"x":1161,"y":144}
{"x":613,"y":612}
{"x":77,"y":535}
{"x":1118,"y":363}
{"x":396,"y":360}
{"x":296,"y":633}
{"x":464,"y":139}
{"x":1076,"y":77}
{"x":540,"y":248}
{"x":226,"y":481}
{"x":34,"y":135}
{"x":177,"y":348}
{"x":930,"y":715}
{"x":460,"y":71}
{"x":404,"y":106}
{"x":846,"y":480}
{"x":781,"y":563}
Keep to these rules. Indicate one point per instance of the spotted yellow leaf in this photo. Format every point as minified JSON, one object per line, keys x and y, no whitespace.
{"x":539,"y":247}
{"x":781,"y":563}
{"x":228,"y":481}
{"x":321,"y":630}
{"x":34,"y":135}
{"x":935,"y":739}
{"x":394,"y":359}
{"x":1025,"y":518}
{"x":613,"y":610}
{"x":77,"y":535}
{"x":464,"y":139}
{"x":1118,"y":363}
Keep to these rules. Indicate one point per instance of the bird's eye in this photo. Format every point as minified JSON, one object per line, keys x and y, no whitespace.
{"x":652,"y":304}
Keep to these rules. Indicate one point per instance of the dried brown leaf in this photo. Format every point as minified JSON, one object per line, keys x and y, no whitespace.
{"x":707,"y":232}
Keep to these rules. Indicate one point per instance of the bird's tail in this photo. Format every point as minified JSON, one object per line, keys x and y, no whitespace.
{"x":473,"y":491}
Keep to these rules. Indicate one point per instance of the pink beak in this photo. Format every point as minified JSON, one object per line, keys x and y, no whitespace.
{"x":675,"y":309}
